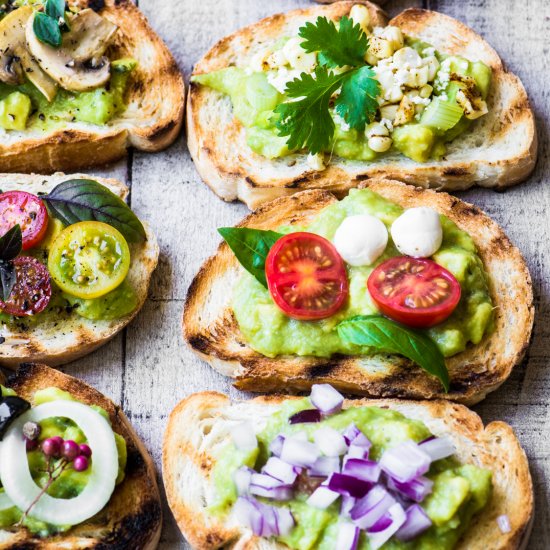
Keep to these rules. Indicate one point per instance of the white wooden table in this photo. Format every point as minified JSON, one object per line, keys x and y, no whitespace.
{"x":148,"y":368}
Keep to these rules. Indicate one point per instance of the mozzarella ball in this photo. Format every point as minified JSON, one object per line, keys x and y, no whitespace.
{"x":417,"y":232}
{"x":361,"y":239}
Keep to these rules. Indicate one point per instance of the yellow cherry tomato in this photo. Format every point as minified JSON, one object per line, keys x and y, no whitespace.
{"x":89,"y":259}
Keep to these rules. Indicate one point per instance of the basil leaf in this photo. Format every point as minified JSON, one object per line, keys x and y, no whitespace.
{"x":8,"y":278}
{"x":47,"y":29}
{"x":55,"y":9}
{"x":82,"y":200}
{"x":11,"y":243}
{"x":251,"y":247}
{"x":390,"y":337}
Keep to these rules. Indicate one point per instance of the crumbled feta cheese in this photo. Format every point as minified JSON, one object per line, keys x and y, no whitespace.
{"x":428,"y":51}
{"x":341,"y":122}
{"x":316,"y":162}
{"x":417,"y":100}
{"x":279,"y":78}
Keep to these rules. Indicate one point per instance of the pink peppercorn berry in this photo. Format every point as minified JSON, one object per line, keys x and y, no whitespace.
{"x":85,"y":450}
{"x":80,"y":463}
{"x":52,"y":446}
{"x":70,"y":449}
{"x":30,"y":444}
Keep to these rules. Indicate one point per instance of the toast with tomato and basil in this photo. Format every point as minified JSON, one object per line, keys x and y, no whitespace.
{"x":80,"y":83}
{"x":95,"y":483}
{"x":75,"y":266}
{"x":393,"y":291}
{"x":273,"y":473}
{"x":328,"y":96}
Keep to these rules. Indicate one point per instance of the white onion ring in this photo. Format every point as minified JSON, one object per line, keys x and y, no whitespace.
{"x":21,"y":488}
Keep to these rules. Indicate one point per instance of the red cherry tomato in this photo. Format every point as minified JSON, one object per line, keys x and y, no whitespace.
{"x":32,"y":290}
{"x":415,"y":292}
{"x":306,"y":276}
{"x":27,"y":210}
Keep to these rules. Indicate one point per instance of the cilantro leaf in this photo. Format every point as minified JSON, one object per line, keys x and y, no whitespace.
{"x":357,"y":103}
{"x":307,"y":120}
{"x":337,"y":47}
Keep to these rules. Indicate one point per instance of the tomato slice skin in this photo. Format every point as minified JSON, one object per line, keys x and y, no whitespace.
{"x":414,"y":291}
{"x":32,"y":291}
{"x":89,"y":259}
{"x":27,"y":210}
{"x":306,"y":276}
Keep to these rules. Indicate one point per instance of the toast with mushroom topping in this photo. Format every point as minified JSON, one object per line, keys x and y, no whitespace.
{"x":212,"y":331}
{"x":65,"y":336}
{"x":200,"y":426}
{"x":498,"y":150}
{"x":133,"y":516}
{"x":84,"y":101}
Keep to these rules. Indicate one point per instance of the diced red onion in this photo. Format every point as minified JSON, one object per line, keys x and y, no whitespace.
{"x":348,"y":536}
{"x":325,"y":398}
{"x":244,"y":436}
{"x":369,"y":509}
{"x":330,"y":441}
{"x":416,"y":523}
{"x":416,"y":489}
{"x":322,"y":497}
{"x":264,"y":520}
{"x":350,"y":433}
{"x":348,"y":485}
{"x":324,"y":466}
{"x":281,"y":470}
{"x":397,"y":518}
{"x":367,"y":470}
{"x":299,"y":453}
{"x":276,"y":446}
{"x":438,"y":447}
{"x":247,"y":512}
{"x":307,"y":416}
{"x":504,"y":523}
{"x":356,"y":452}
{"x":242,"y":479}
{"x":347,"y":504}
{"x":285,"y":520}
{"x":405,"y":461}
{"x":266,"y":486}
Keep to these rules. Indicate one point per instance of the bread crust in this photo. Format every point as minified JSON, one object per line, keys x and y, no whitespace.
{"x":56,"y":341}
{"x":199,"y":426}
{"x":499,"y":151}
{"x":212,"y":331}
{"x":133,"y":516}
{"x":147,"y":123}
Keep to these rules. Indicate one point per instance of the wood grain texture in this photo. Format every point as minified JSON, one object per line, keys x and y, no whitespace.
{"x":148,"y":368}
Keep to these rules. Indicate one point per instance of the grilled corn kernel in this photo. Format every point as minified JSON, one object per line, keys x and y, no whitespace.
{"x":380,"y":144}
{"x":360,"y":15}
{"x":380,"y":47}
{"x":389,"y":112}
{"x":426,"y":91}
{"x":405,"y":112}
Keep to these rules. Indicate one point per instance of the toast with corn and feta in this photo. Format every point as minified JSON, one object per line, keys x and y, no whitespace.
{"x":80,"y":83}
{"x":219,"y":456}
{"x":328,"y":96}
{"x":305,"y":296}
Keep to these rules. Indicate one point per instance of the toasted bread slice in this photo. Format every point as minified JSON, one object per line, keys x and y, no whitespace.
{"x":133,"y":516}
{"x":58,"y":340}
{"x":499,"y":150}
{"x":150,"y":122}
{"x":200,"y":425}
{"x":212,"y":330}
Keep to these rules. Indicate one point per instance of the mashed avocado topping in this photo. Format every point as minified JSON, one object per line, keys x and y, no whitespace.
{"x":25,"y":108}
{"x":459,"y":490}
{"x":71,"y":482}
{"x":424,"y":98}
{"x":269,"y":331}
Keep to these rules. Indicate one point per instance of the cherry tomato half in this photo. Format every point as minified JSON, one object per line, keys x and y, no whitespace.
{"x":413,"y":291}
{"x":32,"y":290}
{"x":306,"y":276}
{"x":89,"y":259}
{"x":27,"y":210}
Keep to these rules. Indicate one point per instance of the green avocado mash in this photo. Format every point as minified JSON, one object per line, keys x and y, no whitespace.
{"x":25,"y":108}
{"x":269,"y":331}
{"x":460,"y":490}
{"x":70,"y":483}
{"x":423,"y":138}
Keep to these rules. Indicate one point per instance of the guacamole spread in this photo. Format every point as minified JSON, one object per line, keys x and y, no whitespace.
{"x":459,"y":490}
{"x":269,"y":331}
{"x":71,"y":482}
{"x":425,"y":98}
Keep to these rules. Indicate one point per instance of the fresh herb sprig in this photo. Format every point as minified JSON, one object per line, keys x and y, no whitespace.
{"x":306,"y":118}
{"x":387,"y":336}
{"x":11,"y":244}
{"x":49,"y":24}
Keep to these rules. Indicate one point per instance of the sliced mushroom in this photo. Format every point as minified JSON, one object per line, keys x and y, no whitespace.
{"x":78,"y":65}
{"x":15,"y":60}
